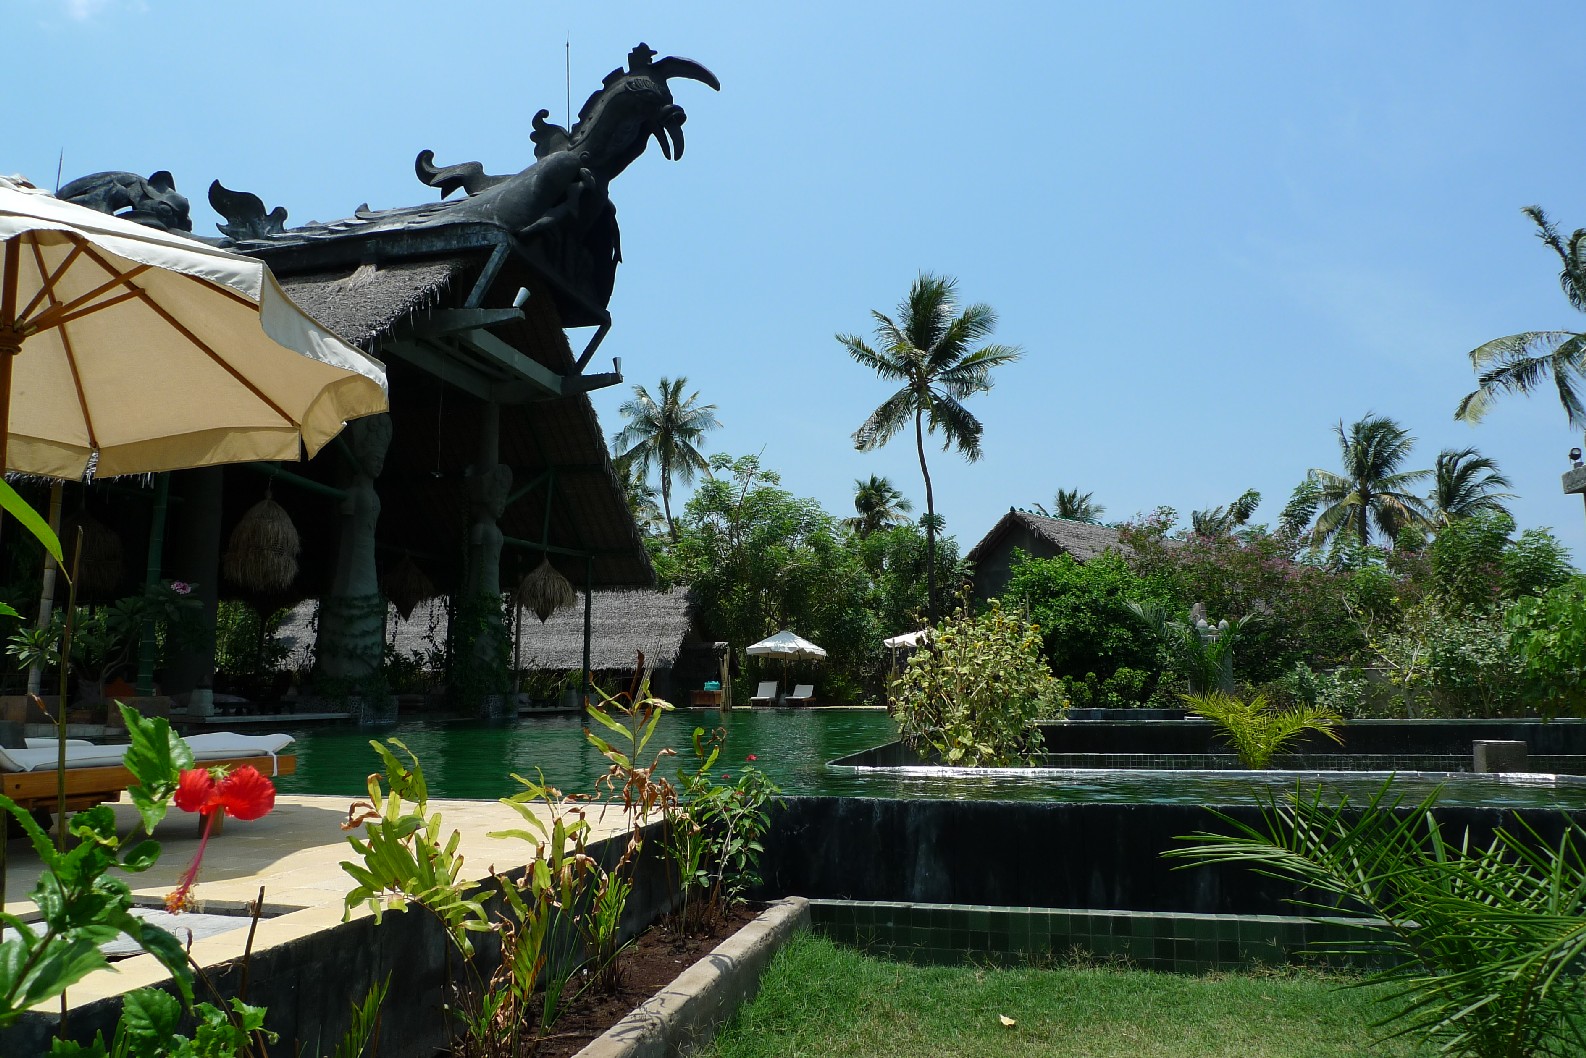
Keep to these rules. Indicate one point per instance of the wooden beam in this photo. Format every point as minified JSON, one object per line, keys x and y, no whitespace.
{"x":440,"y":322}
{"x":461,"y":375}
{"x":524,"y":367}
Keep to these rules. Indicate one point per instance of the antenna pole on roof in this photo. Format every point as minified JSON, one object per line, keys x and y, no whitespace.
{"x":567,"y":67}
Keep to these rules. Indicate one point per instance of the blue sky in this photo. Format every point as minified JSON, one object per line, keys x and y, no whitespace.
{"x":1216,"y":229}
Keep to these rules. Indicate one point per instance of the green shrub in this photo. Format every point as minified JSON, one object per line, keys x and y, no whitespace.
{"x":1548,"y":637}
{"x":972,"y":693}
{"x":1256,"y":730}
{"x":1454,"y":664}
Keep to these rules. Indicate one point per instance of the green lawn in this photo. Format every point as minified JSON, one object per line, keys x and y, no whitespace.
{"x":820,"y":1000}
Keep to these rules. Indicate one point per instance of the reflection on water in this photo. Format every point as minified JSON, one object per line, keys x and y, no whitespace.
{"x":474,"y":760}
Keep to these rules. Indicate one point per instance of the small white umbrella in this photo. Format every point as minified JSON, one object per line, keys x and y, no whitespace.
{"x":907,"y":639}
{"x":786,"y":645}
{"x":155,"y":352}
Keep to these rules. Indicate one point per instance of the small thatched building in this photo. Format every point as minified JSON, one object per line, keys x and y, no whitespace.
{"x":1038,"y":537}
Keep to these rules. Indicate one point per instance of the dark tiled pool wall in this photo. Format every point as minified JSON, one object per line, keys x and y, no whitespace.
{"x":1559,"y":765}
{"x":1100,"y":856}
{"x":1401,"y":738}
{"x":1182,"y":943}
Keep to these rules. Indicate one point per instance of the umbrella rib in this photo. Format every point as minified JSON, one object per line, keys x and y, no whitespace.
{"x":244,"y":381}
{"x":52,"y":317}
{"x":221,"y":288}
{"x":48,"y":280}
{"x":66,"y":339}
{"x":70,"y":317}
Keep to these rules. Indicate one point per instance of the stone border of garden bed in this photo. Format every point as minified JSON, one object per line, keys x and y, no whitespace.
{"x":685,"y":1015}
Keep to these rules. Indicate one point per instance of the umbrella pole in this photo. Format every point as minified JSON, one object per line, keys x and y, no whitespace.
{"x":10,"y":339}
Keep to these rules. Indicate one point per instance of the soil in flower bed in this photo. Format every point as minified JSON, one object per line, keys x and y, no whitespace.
{"x":651,"y":963}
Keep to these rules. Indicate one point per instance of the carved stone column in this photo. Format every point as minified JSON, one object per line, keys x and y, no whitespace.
{"x":352,"y":613}
{"x":481,"y":639}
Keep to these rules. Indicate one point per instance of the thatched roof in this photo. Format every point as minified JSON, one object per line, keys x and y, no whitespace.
{"x":363,"y":304}
{"x":621,"y":622}
{"x":566,"y":493}
{"x":1083,"y":540}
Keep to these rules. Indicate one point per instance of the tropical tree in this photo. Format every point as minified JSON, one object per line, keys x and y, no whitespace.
{"x":1464,"y":483}
{"x":1074,"y":506}
{"x":879,"y":505}
{"x":1524,"y":362}
{"x":665,"y":432}
{"x":1221,"y":521}
{"x":930,"y":350}
{"x":1372,"y":491}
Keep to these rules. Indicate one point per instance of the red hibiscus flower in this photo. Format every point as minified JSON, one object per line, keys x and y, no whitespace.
{"x":243,"y":793}
{"x":751,"y":757}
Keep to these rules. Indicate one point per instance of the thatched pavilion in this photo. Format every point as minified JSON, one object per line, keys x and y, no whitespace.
{"x":491,"y":458}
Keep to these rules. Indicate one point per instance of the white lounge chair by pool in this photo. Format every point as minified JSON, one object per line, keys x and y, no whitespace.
{"x":803,"y":694}
{"x":766,"y":694}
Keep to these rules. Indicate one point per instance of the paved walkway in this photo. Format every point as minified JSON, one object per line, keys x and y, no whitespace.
{"x":295,"y":853}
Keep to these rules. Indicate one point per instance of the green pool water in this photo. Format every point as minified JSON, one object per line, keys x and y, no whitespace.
{"x":474,"y":760}
{"x":793,"y":746}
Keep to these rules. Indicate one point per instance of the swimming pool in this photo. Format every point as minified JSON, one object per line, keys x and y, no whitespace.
{"x":466,"y":759}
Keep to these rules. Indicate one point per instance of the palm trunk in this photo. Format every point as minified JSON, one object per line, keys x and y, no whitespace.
{"x":1365,"y":517}
{"x":930,"y":523}
{"x":666,"y":500}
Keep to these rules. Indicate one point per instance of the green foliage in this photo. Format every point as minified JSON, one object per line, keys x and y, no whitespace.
{"x":1083,"y":611}
{"x":1454,"y":663}
{"x":928,"y":351}
{"x":1305,"y":609}
{"x":1484,"y":946}
{"x":1193,"y":649}
{"x":972,"y":693}
{"x":81,"y":904}
{"x":1372,"y":494}
{"x":1474,"y":563}
{"x":1256,"y":730}
{"x":1126,"y":688}
{"x":1548,"y":635}
{"x":713,"y":835}
{"x":245,"y":639}
{"x":759,"y":559}
{"x":664,"y":432}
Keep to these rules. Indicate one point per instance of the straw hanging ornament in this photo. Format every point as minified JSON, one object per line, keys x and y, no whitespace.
{"x":405,"y":586}
{"x":99,"y":569}
{"x":261,"y":555}
{"x":544,"y":590}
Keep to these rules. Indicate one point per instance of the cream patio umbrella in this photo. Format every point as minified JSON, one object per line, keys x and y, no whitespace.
{"x":148,"y":351}
{"x":786,"y":645}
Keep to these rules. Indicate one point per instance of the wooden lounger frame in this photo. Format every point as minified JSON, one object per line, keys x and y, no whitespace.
{"x":86,"y":787}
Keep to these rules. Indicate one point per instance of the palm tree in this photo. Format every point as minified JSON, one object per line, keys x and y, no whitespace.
{"x":1221,"y":521}
{"x":1372,"y":490}
{"x":1521,"y":363}
{"x":1075,"y":506}
{"x":665,"y":433}
{"x":879,"y":504}
{"x":1466,"y":483}
{"x":930,"y":351}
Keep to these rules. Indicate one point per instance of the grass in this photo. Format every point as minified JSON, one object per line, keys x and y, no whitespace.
{"x":821,"y":1000}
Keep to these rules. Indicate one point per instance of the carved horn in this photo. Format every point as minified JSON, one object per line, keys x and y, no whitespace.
{"x":673,"y":66}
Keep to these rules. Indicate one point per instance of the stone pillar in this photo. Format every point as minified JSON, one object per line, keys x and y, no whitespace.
{"x":1499,"y":756}
{"x":482,"y":644}
{"x":352,"y":613}
{"x":195,"y":558}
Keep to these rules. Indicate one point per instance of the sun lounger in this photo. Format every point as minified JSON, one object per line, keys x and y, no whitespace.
{"x":802,"y":695}
{"x":766,"y":695}
{"x":95,"y":773}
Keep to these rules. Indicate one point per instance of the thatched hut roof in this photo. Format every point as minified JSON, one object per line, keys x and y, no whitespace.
{"x":1083,"y":540}
{"x":364,"y":304}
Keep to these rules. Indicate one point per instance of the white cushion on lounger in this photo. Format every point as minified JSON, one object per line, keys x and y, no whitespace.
{"x":212,"y":745}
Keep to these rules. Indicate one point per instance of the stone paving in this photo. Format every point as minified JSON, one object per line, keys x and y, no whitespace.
{"x":294,"y":853}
